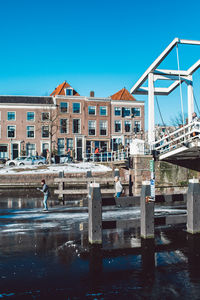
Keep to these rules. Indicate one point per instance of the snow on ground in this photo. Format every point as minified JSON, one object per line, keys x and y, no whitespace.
{"x":67,"y":168}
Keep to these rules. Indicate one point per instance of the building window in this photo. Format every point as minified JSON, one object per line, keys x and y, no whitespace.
{"x":103,"y":111}
{"x":103,"y":127}
{"x":92,"y":127}
{"x":76,"y":126}
{"x":30,"y":131}
{"x":128,"y":141}
{"x":11,"y":115}
{"x":137,"y":126}
{"x":63,"y":107}
{"x":92,"y":110}
{"x":30,"y":149}
{"x":45,"y":116}
{"x":70,"y":144}
{"x":127,"y":126}
{"x":118,"y":126}
{"x":126,"y":112}
{"x":61,"y":146}
{"x":76,"y":108}
{"x":117,"y":111}
{"x":69,"y":91}
{"x":4,"y":151}
{"x":136,"y":112}
{"x":11,"y":130}
{"x":45,"y":131}
{"x":63,"y":125}
{"x":30,"y":116}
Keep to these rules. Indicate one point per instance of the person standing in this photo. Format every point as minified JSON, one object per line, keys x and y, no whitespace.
{"x":118,"y":187}
{"x":45,"y":191}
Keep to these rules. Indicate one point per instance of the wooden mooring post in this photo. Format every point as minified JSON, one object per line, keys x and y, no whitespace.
{"x":61,"y":187}
{"x":147,"y":212}
{"x":94,"y":214}
{"x":193,"y":207}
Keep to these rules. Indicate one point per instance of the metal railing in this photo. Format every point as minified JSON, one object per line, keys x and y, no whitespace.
{"x":178,"y":138}
{"x":118,"y":155}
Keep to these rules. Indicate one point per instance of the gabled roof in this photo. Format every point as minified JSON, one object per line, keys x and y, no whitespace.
{"x":123,"y":94}
{"x":26,"y":100}
{"x":60,"y":90}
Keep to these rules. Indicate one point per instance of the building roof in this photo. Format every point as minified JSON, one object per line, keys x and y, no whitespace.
{"x":123,"y":94}
{"x":60,"y":90}
{"x":26,"y":100}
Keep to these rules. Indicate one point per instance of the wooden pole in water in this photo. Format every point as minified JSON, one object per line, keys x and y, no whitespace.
{"x":95,"y":214}
{"x":147,"y":212}
{"x":193,"y":206}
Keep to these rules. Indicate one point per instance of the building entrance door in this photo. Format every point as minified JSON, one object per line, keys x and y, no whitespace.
{"x":15,"y":151}
{"x":79,"y":146}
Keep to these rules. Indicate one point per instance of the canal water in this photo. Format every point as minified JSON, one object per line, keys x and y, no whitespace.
{"x":46,"y":255}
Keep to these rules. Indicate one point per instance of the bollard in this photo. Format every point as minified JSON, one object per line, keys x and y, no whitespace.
{"x":88,"y":174}
{"x":193,"y":206}
{"x":95,"y":214}
{"x":116,"y":172}
{"x":61,"y":186}
{"x":147,"y":212}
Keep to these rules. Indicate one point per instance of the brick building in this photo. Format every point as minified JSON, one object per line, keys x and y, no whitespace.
{"x":66,"y":120}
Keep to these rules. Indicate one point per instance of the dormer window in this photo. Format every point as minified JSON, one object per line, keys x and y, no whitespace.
{"x":69,"y":91}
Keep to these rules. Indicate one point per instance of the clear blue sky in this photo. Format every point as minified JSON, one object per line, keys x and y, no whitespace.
{"x":94,"y":45}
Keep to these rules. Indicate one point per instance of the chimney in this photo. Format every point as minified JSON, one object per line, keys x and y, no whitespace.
{"x":92,"y":94}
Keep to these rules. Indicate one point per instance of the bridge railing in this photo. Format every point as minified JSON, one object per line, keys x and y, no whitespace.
{"x":178,"y":138}
{"x":111,"y":156}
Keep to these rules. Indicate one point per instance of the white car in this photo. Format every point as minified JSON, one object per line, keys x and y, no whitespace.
{"x":16,"y":161}
{"x":32,"y":160}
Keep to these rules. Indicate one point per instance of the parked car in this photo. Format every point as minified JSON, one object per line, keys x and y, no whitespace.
{"x":32,"y":160}
{"x":14,"y":162}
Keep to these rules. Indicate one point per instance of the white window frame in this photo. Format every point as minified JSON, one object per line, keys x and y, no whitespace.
{"x":95,"y":127}
{"x":95,"y":109}
{"x":27,"y":132}
{"x":27,"y":116}
{"x":106,"y":122}
{"x":75,"y":113}
{"x":67,"y":125}
{"x":11,"y":112}
{"x":73,"y":126}
{"x":106,"y":111}
{"x":139,"y":122}
{"x":67,"y":89}
{"x":42,"y":132}
{"x":15,"y":132}
{"x":31,"y":150}
{"x":64,"y":112}
{"x":127,"y":121}
{"x":118,"y":108}
{"x":44,"y":112}
{"x":127,"y":108}
{"x":118,"y":121}
{"x":138,"y":108}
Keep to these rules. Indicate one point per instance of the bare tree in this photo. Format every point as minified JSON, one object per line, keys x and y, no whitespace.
{"x":178,"y":119}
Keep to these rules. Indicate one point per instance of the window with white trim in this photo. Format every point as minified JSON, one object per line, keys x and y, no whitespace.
{"x":137,"y":126}
{"x":126,"y":111}
{"x":103,"y":125}
{"x":127,"y":126}
{"x":76,"y":108}
{"x":118,"y":126}
{"x":61,"y":146}
{"x":30,"y":149}
{"x":45,"y":131}
{"x":69,"y":91}
{"x":136,"y":111}
{"x":91,"y":127}
{"x":30,"y":116}
{"x":117,"y":111}
{"x":30,"y":131}
{"x":103,"y":110}
{"x":45,"y":116}
{"x":76,"y":126}
{"x":11,"y":116}
{"x":63,"y":125}
{"x":11,"y":131}
{"x":63,"y":107}
{"x":92,"y":110}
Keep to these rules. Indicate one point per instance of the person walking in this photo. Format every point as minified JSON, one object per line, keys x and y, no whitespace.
{"x":118,"y":187}
{"x":45,"y":191}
